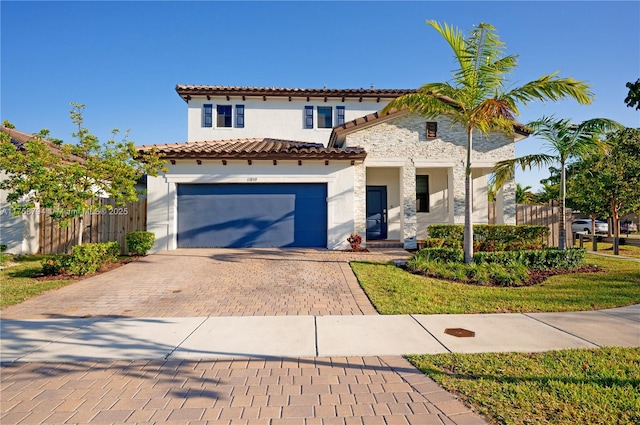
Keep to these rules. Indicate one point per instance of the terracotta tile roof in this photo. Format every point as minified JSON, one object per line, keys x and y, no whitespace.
{"x":256,"y":148}
{"x":348,"y":127}
{"x":186,"y":91}
{"x":19,"y":139}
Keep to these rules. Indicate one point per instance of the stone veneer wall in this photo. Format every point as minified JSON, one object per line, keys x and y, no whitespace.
{"x":405,"y":138}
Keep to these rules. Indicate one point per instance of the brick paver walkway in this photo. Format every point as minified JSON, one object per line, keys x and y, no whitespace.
{"x":213,"y":282}
{"x":320,"y":391}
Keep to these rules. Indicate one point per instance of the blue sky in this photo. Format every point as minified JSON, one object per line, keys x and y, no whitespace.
{"x":123,"y":59}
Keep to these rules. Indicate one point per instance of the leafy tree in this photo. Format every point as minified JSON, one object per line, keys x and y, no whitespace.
{"x":586,"y":190}
{"x":616,"y":176}
{"x":480,"y":96}
{"x":67,"y":177}
{"x":633,"y":97}
{"x":566,"y":141}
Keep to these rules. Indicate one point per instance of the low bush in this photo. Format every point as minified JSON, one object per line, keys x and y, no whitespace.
{"x":56,"y":265}
{"x":491,"y":237}
{"x":442,"y":255}
{"x":84,"y":259}
{"x":477,"y":274}
{"x":89,"y":257}
{"x":139,"y":243}
{"x":541,"y":259}
{"x":433,"y":243}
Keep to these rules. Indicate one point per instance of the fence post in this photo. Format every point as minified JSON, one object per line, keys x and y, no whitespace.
{"x":616,"y":246}
{"x":581,"y":240}
{"x":594,"y":238}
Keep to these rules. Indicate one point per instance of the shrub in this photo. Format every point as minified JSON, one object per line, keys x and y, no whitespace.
{"x":139,"y":243}
{"x":478,"y":274}
{"x":88,"y":258}
{"x":56,"y":264}
{"x":549,"y":258}
{"x":433,"y":243}
{"x":443,"y":255}
{"x":355,"y":240}
{"x":3,"y":247}
{"x":491,"y":237}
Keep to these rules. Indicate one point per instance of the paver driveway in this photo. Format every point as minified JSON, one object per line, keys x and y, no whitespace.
{"x":213,"y":282}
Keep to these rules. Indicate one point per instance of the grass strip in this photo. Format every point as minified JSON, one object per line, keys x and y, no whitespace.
{"x":395,"y":291}
{"x":577,"y":386}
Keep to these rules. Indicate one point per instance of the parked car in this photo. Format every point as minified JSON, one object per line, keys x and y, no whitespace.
{"x":584,"y":226}
{"x":628,"y":227}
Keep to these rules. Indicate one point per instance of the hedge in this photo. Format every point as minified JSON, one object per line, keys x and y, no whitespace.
{"x":453,"y":234}
{"x":140,"y":242}
{"x":549,"y":258}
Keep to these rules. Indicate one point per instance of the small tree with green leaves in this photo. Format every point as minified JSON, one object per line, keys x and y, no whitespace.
{"x":68,"y":177}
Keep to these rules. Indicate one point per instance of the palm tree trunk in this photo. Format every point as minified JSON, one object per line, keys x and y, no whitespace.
{"x":563,"y":191}
{"x":468,"y":203}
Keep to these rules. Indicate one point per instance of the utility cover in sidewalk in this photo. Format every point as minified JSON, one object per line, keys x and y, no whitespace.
{"x":459,"y":332}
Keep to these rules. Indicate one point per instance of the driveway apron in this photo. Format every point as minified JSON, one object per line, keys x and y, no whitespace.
{"x":213,"y":282}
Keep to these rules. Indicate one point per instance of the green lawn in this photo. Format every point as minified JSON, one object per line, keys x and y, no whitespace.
{"x":395,"y":291}
{"x":607,"y":248}
{"x":565,"y":387}
{"x":17,"y":284}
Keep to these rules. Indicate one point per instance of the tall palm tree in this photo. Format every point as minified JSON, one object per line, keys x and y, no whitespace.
{"x":478,"y":97}
{"x":565,"y":141}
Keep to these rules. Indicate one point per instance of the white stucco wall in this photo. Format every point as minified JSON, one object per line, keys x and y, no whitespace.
{"x":339,"y":177}
{"x":403,"y":141}
{"x":276,"y":118}
{"x":19,"y":233}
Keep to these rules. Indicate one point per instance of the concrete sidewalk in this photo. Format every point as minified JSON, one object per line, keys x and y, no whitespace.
{"x":311,"y":336}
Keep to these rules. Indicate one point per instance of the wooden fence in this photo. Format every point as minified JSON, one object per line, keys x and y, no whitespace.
{"x":542,"y":215}
{"x":104,"y":226}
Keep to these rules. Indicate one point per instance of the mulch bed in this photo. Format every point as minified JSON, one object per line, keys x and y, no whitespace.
{"x":105,"y":268}
{"x":539,"y":276}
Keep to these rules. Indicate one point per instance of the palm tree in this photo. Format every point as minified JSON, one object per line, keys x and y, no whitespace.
{"x":478,"y":97}
{"x":523,"y":194}
{"x":565,"y":141}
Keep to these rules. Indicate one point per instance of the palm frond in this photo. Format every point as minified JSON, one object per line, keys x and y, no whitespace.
{"x":552,"y":87}
{"x":505,"y":170}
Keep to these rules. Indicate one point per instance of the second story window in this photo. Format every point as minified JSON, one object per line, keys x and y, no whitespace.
{"x":308,"y":117}
{"x":432,"y":129}
{"x":325,"y":117}
{"x":339,"y":115}
{"x":224,"y":116}
{"x":207,"y":115}
{"x":239,"y":116}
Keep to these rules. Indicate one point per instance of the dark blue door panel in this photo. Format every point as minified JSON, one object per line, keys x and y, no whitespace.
{"x":376,"y":212}
{"x":252,"y":215}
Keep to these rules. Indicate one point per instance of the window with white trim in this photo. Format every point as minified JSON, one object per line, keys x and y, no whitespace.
{"x":325,"y":117}
{"x":224,"y":116}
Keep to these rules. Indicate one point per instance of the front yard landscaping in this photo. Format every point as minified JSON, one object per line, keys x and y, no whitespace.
{"x":564,"y":387}
{"x":395,"y":291}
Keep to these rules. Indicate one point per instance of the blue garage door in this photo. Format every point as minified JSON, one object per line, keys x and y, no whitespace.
{"x":252,"y":215}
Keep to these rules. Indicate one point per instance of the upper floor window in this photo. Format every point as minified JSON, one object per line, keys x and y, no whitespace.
{"x":308,"y":117}
{"x":207,"y":115}
{"x":422,"y":193}
{"x":325,"y":117}
{"x":239,"y":116}
{"x":339,"y":115}
{"x":432,"y":129}
{"x":224,"y":116}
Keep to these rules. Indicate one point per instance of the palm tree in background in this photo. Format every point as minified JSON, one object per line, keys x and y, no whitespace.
{"x":565,"y":141}
{"x":479,"y":96}
{"x":524,"y":195}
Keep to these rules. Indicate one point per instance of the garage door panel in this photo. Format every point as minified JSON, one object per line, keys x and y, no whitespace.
{"x":237,"y":215}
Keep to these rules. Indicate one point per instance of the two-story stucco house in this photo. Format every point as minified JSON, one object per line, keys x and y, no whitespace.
{"x":282,"y":167}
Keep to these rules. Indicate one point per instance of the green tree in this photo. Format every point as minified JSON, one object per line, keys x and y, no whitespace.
{"x":67,"y":177}
{"x":565,"y":141}
{"x":524,"y":195}
{"x":614,"y":179}
{"x":585,"y":190}
{"x":633,"y":97}
{"x":480,"y":96}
